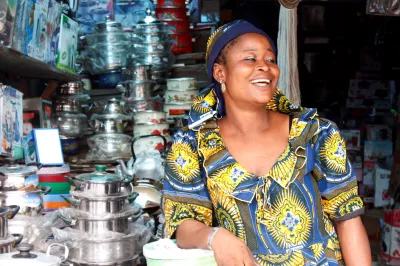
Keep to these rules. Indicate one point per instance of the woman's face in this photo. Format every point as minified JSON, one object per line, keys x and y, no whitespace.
{"x":250,"y":71}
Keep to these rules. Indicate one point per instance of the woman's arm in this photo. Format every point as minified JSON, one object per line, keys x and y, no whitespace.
{"x":354,"y":242}
{"x":193,"y":234}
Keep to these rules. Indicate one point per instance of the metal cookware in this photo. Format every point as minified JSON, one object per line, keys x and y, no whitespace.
{"x":158,"y":60}
{"x":14,"y":176}
{"x":110,"y":251}
{"x":97,"y":205}
{"x":173,"y":97}
{"x":148,"y":195}
{"x":70,"y":88}
{"x":107,"y":26}
{"x":171,"y":3}
{"x":155,"y":143}
{"x":137,"y":89}
{"x":108,"y":146}
{"x":25,"y":257}
{"x":71,"y":125}
{"x":149,"y":117}
{"x":163,"y":13}
{"x":109,"y":123}
{"x":5,"y":214}
{"x":113,"y":106}
{"x":30,"y":202}
{"x":159,"y":74}
{"x":137,"y":139}
{"x":151,"y":37}
{"x":99,"y":183}
{"x":67,"y":104}
{"x":150,"y":24}
{"x":182,"y":84}
{"x":156,"y":47}
{"x":144,"y":104}
{"x":109,"y":37}
{"x":178,"y":25}
{"x":183,"y":43}
{"x":137,"y":72}
{"x":8,"y":243}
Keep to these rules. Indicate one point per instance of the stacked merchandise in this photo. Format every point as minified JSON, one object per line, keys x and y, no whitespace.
{"x":54,"y":177}
{"x":68,"y":116}
{"x":178,"y":100}
{"x":92,"y":12}
{"x":105,"y":52}
{"x":11,"y":126}
{"x":7,"y":240}
{"x":42,"y":31}
{"x":176,"y":15}
{"x":352,"y":138}
{"x":100,"y":221}
{"x":109,"y":141}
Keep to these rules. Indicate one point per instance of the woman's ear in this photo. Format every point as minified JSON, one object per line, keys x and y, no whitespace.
{"x":219,"y":72}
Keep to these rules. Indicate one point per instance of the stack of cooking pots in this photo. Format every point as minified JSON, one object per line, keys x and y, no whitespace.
{"x":106,"y":49}
{"x":153,"y":47}
{"x":8,"y":241}
{"x":176,"y":15}
{"x":19,"y":186}
{"x":101,"y":207}
{"x":179,"y":97}
{"x":68,"y":116}
{"x":109,"y":141}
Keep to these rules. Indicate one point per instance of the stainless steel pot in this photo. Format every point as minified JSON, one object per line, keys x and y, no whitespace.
{"x":97,"y":205}
{"x":151,"y":37}
{"x":156,"y":47}
{"x":137,"y":89}
{"x":109,"y":37}
{"x":67,"y":105}
{"x":30,"y":202}
{"x":71,"y":125}
{"x":137,"y":72}
{"x":70,"y":88}
{"x":113,"y":107}
{"x":116,"y":251}
{"x":158,"y":60}
{"x":9,"y":242}
{"x":14,"y":176}
{"x":108,"y":126}
{"x":108,"y":26}
{"x":118,"y":263}
{"x":99,"y":183}
{"x":5,"y":214}
{"x":100,"y":226}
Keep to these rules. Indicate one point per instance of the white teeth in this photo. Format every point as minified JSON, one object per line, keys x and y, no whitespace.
{"x":261,"y":81}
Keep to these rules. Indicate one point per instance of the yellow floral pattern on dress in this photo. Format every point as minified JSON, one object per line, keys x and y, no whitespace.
{"x":297,"y":128}
{"x":333,"y":152}
{"x":344,"y":203}
{"x":229,"y":177}
{"x":282,"y":171}
{"x":185,"y":161}
{"x":288,"y":221}
{"x":318,"y":250}
{"x":204,"y":103}
{"x":289,"y":259}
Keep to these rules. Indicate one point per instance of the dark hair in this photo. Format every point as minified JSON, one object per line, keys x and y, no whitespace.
{"x":221,"y":58}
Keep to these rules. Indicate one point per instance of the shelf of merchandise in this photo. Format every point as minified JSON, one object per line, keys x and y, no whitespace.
{"x":24,"y":66}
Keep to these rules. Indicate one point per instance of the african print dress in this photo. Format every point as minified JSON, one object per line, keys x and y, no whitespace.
{"x":284,"y":217}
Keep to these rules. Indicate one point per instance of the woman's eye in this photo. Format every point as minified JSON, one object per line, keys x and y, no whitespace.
{"x":271,"y":60}
{"x":251,"y":59}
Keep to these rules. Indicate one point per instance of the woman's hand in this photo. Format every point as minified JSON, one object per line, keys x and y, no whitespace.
{"x":230,"y":250}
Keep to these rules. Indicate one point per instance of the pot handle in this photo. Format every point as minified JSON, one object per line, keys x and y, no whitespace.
{"x":132,"y":197}
{"x":66,"y":250}
{"x":72,"y":201}
{"x":121,"y":88}
{"x":38,"y":165}
{"x":17,"y":238}
{"x":45,"y":190}
{"x":136,"y":216}
{"x":14,"y":209}
{"x":69,"y":222}
{"x":147,"y":136}
{"x":73,"y":181}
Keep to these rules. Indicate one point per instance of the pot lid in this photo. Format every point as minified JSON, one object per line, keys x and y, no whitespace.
{"x":108,"y":24}
{"x":150,"y":19}
{"x":110,"y":117}
{"x":17,"y":170}
{"x":25,"y":257}
{"x":100,"y":175}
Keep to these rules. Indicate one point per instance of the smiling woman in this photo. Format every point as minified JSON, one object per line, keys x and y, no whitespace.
{"x":254,"y":178}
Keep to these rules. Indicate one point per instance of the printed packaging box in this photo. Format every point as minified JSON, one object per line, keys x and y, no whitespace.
{"x":129,"y":13}
{"x":67,"y":45}
{"x":352,"y":138}
{"x":92,"y":12}
{"x":37,"y":114}
{"x":7,"y":17}
{"x":390,"y":232}
{"x":10,"y":122}
{"x":381,"y":178}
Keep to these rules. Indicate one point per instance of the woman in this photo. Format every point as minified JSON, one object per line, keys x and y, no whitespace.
{"x":260,"y":186}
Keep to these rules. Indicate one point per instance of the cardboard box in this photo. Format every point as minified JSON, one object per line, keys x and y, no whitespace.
{"x":381,"y":179}
{"x":368,"y":103}
{"x":378,"y":133}
{"x":54,"y":23}
{"x":374,"y":150}
{"x":352,"y":138}
{"x":355,"y":159}
{"x":368,"y":172}
{"x":67,"y":45}
{"x":129,"y":12}
{"x":92,"y":12}
{"x":371,"y":89}
{"x":7,"y":18}
{"x":390,"y":233}
{"x":10,"y":122}
{"x":41,"y":107}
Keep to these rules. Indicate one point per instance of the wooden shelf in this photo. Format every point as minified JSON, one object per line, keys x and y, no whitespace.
{"x":25,"y":66}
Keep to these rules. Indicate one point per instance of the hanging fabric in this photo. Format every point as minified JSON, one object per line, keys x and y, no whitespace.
{"x":287,"y":51}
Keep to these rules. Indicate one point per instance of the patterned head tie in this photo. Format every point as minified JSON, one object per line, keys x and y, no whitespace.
{"x":223,"y":35}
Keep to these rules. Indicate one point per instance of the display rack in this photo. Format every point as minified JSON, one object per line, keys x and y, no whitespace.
{"x":25,"y":66}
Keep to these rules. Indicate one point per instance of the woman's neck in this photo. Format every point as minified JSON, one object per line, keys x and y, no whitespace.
{"x":245,"y":121}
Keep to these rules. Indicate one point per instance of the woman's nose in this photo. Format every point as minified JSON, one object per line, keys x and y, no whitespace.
{"x":263,"y":66}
